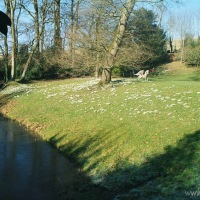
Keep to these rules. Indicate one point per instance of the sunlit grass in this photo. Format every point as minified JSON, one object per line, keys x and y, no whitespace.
{"x":110,"y":128}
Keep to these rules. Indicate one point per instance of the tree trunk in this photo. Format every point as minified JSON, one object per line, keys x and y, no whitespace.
{"x":170,"y":44}
{"x":40,"y":32}
{"x":74,"y":15}
{"x":23,"y":76}
{"x":36,"y":21}
{"x":6,"y":46}
{"x":75,"y":32}
{"x":6,"y":60}
{"x":44,"y":8}
{"x":97,"y":24}
{"x":57,"y":38}
{"x":182,"y":49}
{"x":125,"y":13}
{"x":12,"y":12}
{"x":71,"y":31}
{"x":106,"y":75}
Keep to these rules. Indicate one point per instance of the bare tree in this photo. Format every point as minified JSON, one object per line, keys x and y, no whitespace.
{"x":95,"y":28}
{"x":7,"y":4}
{"x":43,"y":10}
{"x":39,"y":32}
{"x":97,"y":32}
{"x":74,"y":16}
{"x":36,"y":22}
{"x":112,"y":52}
{"x":125,"y":12}
{"x":13,"y":4}
{"x":57,"y":37}
{"x":183,"y":29}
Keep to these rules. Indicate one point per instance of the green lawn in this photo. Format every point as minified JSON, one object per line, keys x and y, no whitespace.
{"x":138,"y":139}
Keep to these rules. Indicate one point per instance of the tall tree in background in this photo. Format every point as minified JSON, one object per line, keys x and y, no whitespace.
{"x":36,"y":22}
{"x":144,"y":42}
{"x":7,"y":5}
{"x":74,"y":15}
{"x":13,"y":4}
{"x":38,"y":33}
{"x":71,"y":40}
{"x":146,"y":33}
{"x":57,"y":36}
{"x":43,"y":12}
{"x":97,"y":43}
{"x":95,"y":33}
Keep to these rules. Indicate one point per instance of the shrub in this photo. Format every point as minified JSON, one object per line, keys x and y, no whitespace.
{"x":192,"y":56}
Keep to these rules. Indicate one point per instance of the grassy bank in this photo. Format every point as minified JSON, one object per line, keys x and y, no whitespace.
{"x":140,"y":139}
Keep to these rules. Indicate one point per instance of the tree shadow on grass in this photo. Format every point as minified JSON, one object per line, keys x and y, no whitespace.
{"x":83,"y":187}
{"x":171,"y":175}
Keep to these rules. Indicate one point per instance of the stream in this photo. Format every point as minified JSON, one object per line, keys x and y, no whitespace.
{"x":32,"y":169}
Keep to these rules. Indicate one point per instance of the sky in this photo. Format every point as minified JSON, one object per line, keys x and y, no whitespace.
{"x":191,"y":4}
{"x":188,"y":15}
{"x":187,"y":4}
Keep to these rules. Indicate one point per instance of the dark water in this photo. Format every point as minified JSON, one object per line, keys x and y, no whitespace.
{"x":32,"y":169}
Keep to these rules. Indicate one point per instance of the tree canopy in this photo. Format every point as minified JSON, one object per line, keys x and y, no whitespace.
{"x":79,"y":37}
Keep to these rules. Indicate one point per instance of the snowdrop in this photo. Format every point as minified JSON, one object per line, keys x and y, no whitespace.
{"x":50,"y":95}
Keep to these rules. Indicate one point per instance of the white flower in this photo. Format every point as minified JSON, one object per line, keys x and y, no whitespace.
{"x":51,"y":95}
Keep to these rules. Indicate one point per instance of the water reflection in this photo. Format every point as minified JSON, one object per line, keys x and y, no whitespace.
{"x":30,"y":168}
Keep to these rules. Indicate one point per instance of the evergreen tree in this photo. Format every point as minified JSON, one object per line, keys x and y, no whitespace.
{"x":146,"y":34}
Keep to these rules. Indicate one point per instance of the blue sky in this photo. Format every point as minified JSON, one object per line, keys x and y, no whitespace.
{"x":187,"y":4}
{"x":190,"y":4}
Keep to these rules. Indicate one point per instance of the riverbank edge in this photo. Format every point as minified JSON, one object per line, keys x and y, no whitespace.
{"x":35,"y":129}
